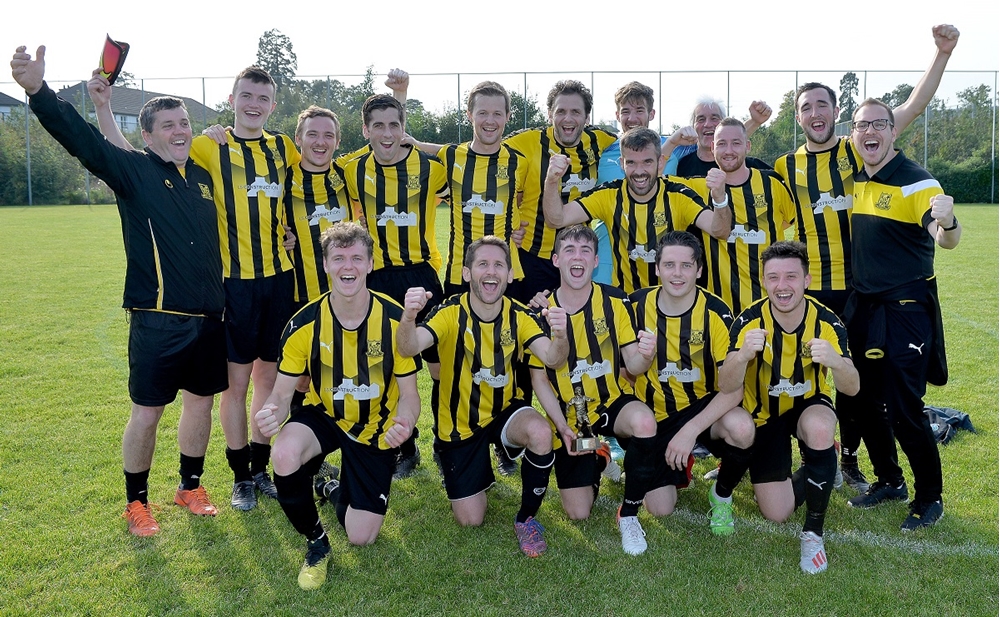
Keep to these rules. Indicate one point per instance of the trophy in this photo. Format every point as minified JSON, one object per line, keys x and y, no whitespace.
{"x":585,"y":440}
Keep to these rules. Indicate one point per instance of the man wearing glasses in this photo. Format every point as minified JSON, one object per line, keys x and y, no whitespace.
{"x":893,"y":316}
{"x":820,"y":175}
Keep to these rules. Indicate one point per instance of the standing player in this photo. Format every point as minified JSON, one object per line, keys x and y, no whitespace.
{"x":363,"y":400}
{"x":821,"y":176}
{"x":249,"y":170}
{"x":762,"y":209}
{"x":602,"y":341}
{"x":569,"y":103}
{"x":681,"y":385}
{"x":900,"y":213}
{"x":689,"y":151}
{"x":637,"y":211}
{"x":173,"y":279}
{"x":782,"y":348}
{"x":315,"y":197}
{"x":478,"y":335}
{"x":485,"y":179}
{"x":396,"y":189}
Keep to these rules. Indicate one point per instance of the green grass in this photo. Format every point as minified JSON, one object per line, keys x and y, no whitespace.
{"x":64,"y":549}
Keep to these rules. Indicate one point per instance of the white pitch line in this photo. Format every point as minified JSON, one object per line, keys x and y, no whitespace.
{"x":858,"y":537}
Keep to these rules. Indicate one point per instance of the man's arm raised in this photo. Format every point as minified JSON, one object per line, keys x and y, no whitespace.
{"x":553,"y":351}
{"x":411,"y":340}
{"x":719,"y":223}
{"x":275,"y":411}
{"x":945,"y":39}
{"x":556,"y":214}
{"x":734,"y":369}
{"x":100,"y":93}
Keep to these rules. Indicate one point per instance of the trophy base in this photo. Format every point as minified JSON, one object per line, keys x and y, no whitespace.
{"x":586,"y":444}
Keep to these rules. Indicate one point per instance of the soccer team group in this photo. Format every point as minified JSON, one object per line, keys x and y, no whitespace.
{"x":604,"y":296}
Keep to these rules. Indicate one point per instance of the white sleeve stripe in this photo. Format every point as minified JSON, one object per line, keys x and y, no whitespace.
{"x":919,"y":186}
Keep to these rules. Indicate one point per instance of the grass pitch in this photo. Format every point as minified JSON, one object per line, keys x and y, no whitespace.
{"x":64,"y":549}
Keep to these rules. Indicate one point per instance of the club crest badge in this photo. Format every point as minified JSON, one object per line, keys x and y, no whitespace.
{"x":374,"y":349}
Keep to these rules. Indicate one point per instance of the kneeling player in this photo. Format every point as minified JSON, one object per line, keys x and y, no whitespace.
{"x":781,"y":348}
{"x":478,"y":335}
{"x":363,"y":400}
{"x":601,"y":335}
{"x":681,"y":386}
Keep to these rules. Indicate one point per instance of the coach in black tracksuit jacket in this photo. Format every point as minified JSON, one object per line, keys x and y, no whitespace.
{"x":173,"y":280}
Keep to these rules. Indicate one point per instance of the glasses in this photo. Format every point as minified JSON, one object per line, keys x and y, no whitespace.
{"x":879,"y":125}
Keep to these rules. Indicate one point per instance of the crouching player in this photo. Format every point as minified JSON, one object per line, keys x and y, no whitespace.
{"x":681,"y":384}
{"x":601,"y":336}
{"x":363,"y":400}
{"x":478,"y":335}
{"x":781,"y":348}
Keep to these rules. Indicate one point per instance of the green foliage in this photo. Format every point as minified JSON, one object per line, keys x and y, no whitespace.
{"x":56,"y":177}
{"x":848,"y":90}
{"x":274,"y":53}
{"x":771,"y":141}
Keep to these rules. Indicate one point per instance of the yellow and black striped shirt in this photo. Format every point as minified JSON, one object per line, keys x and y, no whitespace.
{"x":762,"y":210}
{"x":596,"y":334}
{"x":249,"y":178}
{"x":690,"y":348}
{"x":477,"y":379}
{"x":538,"y":146}
{"x":784,"y":373}
{"x":634,"y":228}
{"x":822,"y":186}
{"x":399,"y":203}
{"x":313,"y":202}
{"x":484,"y":193}
{"x":891,"y":213}
{"x":352,"y":372}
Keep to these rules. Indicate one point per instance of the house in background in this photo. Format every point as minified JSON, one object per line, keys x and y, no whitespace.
{"x":126,"y":103}
{"x":8,"y":104}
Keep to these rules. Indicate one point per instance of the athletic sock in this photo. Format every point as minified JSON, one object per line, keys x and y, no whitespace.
{"x":735,"y":462}
{"x":260,"y":454}
{"x":137,"y":486}
{"x":535,"y":470}
{"x":295,"y":494}
{"x":192,"y":467}
{"x":239,"y":462}
{"x":820,"y":467}
{"x":639,"y":470}
{"x":799,"y":487}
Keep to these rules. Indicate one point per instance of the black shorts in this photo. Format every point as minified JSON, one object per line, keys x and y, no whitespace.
{"x":466,"y":464}
{"x":257,"y":311}
{"x":365,"y":471}
{"x":539,"y":274}
{"x":835,"y":300}
{"x":169,"y":352}
{"x":454,"y":289}
{"x":771,"y":460}
{"x":667,"y":429}
{"x":580,"y":471}
{"x":394,"y":281}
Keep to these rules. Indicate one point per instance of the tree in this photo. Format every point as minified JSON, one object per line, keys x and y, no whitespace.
{"x":898,"y":96}
{"x":848,"y":90}
{"x":274,"y":53}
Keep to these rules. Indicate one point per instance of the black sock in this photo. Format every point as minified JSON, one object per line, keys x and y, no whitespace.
{"x":239,"y":462}
{"x":342,"y":513}
{"x":260,"y":454}
{"x":820,"y":468}
{"x":602,"y":464}
{"x":295,"y":494}
{"x":191,"y":469}
{"x":735,"y":462}
{"x":137,"y":486}
{"x":535,"y":470}
{"x":799,"y":486}
{"x":639,"y":472}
